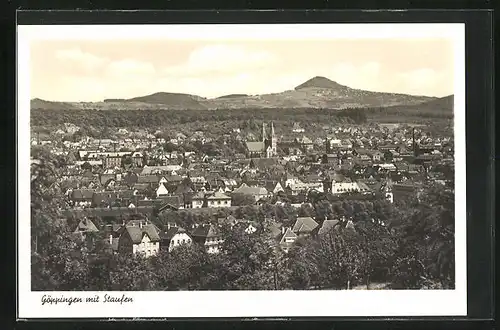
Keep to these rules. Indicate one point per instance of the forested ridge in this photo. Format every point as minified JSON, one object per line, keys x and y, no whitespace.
{"x":153,"y":118}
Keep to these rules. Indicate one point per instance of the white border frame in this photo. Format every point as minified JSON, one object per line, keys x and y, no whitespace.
{"x":242,"y":303}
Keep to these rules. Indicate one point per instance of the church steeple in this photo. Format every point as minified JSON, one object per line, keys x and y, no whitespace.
{"x":273,"y":140}
{"x":263,"y":132}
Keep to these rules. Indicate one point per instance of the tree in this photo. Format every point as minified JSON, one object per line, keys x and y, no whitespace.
{"x":425,"y":237}
{"x":238,"y":199}
{"x":379,"y":248}
{"x":61,"y":265}
{"x":249,"y":261}
{"x":340,"y":259}
{"x":132,"y":273}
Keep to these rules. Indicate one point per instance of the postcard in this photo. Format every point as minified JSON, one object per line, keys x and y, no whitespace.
{"x":284,"y":170}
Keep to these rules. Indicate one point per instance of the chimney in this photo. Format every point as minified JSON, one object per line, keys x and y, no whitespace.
{"x":140,"y":224}
{"x":168,"y":225}
{"x":110,"y":238}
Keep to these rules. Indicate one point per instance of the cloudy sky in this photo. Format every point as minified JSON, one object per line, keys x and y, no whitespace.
{"x":85,"y":70}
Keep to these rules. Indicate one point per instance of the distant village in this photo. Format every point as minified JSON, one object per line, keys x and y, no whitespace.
{"x":132,"y":182}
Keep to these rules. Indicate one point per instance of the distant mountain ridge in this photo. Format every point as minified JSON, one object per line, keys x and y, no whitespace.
{"x":317,"y":92}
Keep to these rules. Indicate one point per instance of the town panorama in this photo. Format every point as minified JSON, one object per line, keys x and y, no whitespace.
{"x":343,"y":189}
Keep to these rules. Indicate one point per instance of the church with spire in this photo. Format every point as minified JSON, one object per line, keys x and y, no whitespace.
{"x":266,"y":148}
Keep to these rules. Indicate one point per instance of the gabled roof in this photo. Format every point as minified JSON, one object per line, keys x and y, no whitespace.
{"x":275,"y":229}
{"x":198,"y":196}
{"x":288,"y":234}
{"x":161,"y":190}
{"x":244,"y":189}
{"x":136,"y":233}
{"x":169,"y":202}
{"x":304,"y":225}
{"x":327,"y":226}
{"x":218,"y":195}
{"x":86,"y":225}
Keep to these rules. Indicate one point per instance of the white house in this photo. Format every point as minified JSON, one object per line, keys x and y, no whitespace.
{"x":175,"y":237}
{"x":218,"y":199}
{"x":161,"y":191}
{"x":139,"y":236}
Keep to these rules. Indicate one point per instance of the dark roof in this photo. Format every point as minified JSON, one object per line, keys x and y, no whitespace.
{"x":275,"y":229}
{"x":170,"y":233}
{"x":263,"y":163}
{"x":109,"y":212}
{"x":205,"y":231}
{"x":141,"y":186}
{"x":104,"y":178}
{"x":169,"y":201}
{"x":148,"y":179}
{"x":79,"y":194}
{"x":174,"y":178}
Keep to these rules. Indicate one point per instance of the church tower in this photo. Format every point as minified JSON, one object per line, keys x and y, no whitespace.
{"x":263,"y":132}
{"x":273,"y":140}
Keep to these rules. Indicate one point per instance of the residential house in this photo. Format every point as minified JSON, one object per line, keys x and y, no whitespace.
{"x":161,"y":190}
{"x":198,"y":200}
{"x":297,"y":128}
{"x":304,"y":226}
{"x":112,"y":161}
{"x":81,"y":197}
{"x":218,"y":199}
{"x":306,"y":143}
{"x":138,"y":159}
{"x":84,"y":227}
{"x":207,"y":236}
{"x":287,"y":240}
{"x":174,"y":237}
{"x":257,"y":192}
{"x":139,"y":236}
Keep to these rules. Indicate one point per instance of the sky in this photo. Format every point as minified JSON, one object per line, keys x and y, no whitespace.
{"x":94,"y":70}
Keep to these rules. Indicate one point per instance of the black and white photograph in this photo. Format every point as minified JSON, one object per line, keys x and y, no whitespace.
{"x":186,"y":169}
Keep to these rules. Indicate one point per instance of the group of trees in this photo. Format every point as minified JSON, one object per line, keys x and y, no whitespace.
{"x":414,"y":250}
{"x":157,"y":118}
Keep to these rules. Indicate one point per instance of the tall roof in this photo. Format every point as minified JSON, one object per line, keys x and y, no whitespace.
{"x":246,"y":190}
{"x":304,"y":225}
{"x":327,"y":226}
{"x":255,"y":146}
{"x":86,"y":225}
{"x":138,"y":228}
